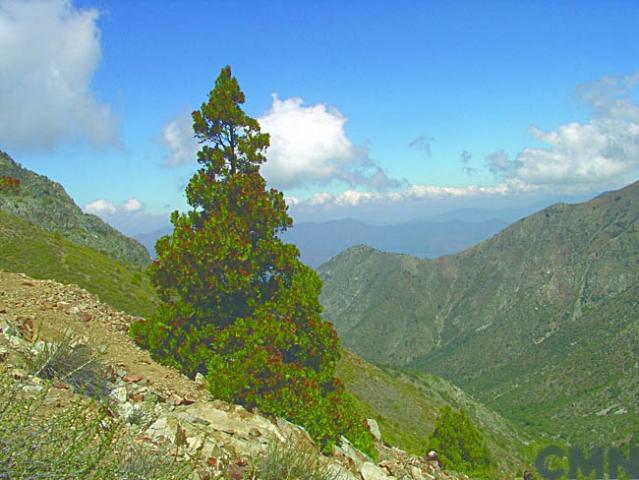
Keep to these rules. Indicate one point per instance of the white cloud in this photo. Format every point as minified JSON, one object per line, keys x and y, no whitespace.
{"x":132,"y":205}
{"x":50,"y":51}
{"x":178,"y":140}
{"x":355,"y":198}
{"x":105,"y":208}
{"x":593,"y":153}
{"x":100,"y":207}
{"x":309,"y":145}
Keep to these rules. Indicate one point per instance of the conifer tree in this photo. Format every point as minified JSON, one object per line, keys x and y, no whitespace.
{"x":237,"y":304}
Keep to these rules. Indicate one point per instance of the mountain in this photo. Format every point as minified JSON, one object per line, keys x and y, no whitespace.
{"x":46,"y":204}
{"x":149,"y":239}
{"x":538,"y":322}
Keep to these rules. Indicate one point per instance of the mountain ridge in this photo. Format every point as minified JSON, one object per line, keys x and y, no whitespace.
{"x":472,"y":315}
{"x":46,"y":204}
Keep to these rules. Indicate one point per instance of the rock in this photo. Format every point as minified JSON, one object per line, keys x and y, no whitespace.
{"x":338,"y":472}
{"x":200,"y":380}
{"x":373,"y":427}
{"x":132,"y":378}
{"x":119,"y":394}
{"x":370,"y":471}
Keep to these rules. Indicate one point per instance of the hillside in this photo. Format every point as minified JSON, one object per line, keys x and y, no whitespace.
{"x":45,"y":255}
{"x":166,"y":413}
{"x":46,"y":204}
{"x":517,"y":306}
{"x":406,"y":407}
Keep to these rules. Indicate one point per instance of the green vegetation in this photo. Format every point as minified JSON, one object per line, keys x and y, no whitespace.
{"x":293,"y":460}
{"x":41,"y":254}
{"x":237,"y":304}
{"x":406,"y":406}
{"x":538,"y":322}
{"x":43,"y":202}
{"x":79,"y":441}
{"x":459,"y":445}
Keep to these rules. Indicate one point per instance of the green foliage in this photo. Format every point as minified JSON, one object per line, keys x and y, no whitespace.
{"x":80,"y":441}
{"x":293,"y":460}
{"x":459,"y":445}
{"x":238,"y":305}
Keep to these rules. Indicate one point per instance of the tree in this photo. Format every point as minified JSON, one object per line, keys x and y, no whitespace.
{"x":237,"y":304}
{"x":459,"y":444}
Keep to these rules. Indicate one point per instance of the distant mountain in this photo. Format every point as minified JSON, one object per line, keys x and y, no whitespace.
{"x":540,"y":321}
{"x":149,"y":239}
{"x":318,"y":242}
{"x":46,"y":204}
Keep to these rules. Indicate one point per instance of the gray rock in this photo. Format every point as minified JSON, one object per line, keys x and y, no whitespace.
{"x":370,"y":471}
{"x":374,"y":429}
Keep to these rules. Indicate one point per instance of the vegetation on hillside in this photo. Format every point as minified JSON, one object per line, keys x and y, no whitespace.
{"x":406,"y":406}
{"x":537,"y":322}
{"x":237,"y":303}
{"x":459,"y":445}
{"x":34,"y":197}
{"x":79,"y":441}
{"x":41,"y":254}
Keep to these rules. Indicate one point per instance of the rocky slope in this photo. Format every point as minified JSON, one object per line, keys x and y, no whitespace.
{"x":46,"y":204}
{"x":159,"y":405}
{"x":507,"y":319}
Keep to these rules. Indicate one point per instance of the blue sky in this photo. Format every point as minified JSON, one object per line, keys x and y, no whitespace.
{"x":383,"y":110}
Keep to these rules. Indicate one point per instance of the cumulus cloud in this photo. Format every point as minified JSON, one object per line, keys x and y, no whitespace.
{"x":131,"y":205}
{"x":100,"y":207}
{"x":179,"y":143}
{"x":417,"y":192}
{"x":103,"y":207}
{"x":50,"y":51}
{"x":309,"y":145}
{"x":601,"y":150}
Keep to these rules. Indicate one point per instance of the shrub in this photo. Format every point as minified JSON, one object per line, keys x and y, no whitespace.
{"x":459,"y":445}
{"x":238,"y":305}
{"x":293,"y":460}
{"x":78,"y":366}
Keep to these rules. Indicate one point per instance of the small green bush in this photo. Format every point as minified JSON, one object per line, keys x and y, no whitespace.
{"x":293,"y":460}
{"x":459,"y":445}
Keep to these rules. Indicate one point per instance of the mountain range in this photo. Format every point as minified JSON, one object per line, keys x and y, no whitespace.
{"x":540,"y":321}
{"x":320,"y":241}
